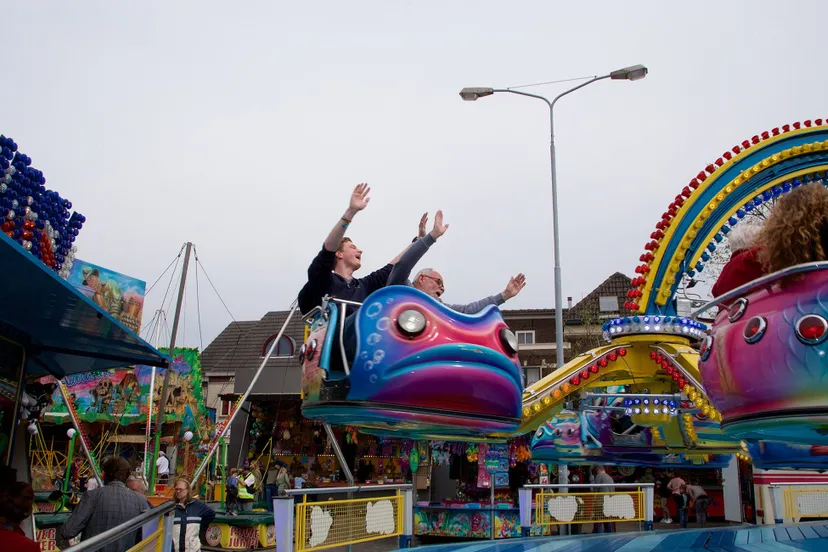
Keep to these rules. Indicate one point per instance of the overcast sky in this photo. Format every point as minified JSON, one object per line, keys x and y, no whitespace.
{"x":243,"y":127}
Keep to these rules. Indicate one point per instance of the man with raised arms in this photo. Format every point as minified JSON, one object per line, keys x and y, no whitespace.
{"x":332,"y":270}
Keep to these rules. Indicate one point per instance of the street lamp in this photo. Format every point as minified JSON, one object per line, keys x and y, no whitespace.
{"x":632,"y":73}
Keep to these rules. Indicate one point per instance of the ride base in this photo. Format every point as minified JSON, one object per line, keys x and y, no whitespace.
{"x":740,"y":538}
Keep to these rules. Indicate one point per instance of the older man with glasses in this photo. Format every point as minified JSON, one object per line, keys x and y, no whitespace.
{"x":431,"y":282}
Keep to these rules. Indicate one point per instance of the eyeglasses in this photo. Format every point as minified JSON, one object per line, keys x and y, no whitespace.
{"x":439,"y":281}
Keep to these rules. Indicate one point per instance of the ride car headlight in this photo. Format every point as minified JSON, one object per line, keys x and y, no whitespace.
{"x":411,"y":322}
{"x":509,"y":341}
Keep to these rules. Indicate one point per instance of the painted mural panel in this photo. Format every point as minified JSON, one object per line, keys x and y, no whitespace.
{"x":123,"y":395}
{"x":120,"y":295}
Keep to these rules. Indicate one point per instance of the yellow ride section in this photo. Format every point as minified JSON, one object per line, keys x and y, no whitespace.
{"x":639,"y":361}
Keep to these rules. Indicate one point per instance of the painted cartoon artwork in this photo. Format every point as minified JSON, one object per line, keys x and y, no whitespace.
{"x":120,"y":295}
{"x":123,"y":395}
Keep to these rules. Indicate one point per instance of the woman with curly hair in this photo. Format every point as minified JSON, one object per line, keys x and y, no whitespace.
{"x":796,"y":231}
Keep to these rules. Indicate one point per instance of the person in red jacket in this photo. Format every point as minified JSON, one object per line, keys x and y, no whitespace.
{"x":744,"y":265}
{"x":15,"y":506}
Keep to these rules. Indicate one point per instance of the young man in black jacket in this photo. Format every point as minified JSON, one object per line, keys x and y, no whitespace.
{"x":331,"y":271}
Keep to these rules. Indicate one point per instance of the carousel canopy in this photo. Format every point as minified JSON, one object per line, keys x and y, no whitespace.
{"x":62,"y":331}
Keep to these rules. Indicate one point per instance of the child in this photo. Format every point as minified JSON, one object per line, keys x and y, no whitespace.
{"x":233,"y":492}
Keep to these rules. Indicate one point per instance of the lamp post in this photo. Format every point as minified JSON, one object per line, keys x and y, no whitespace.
{"x":632,"y":73}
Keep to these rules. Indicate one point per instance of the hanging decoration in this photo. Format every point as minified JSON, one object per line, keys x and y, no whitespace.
{"x":37,"y":219}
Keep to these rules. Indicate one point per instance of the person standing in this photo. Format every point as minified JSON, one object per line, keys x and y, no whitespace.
{"x":702,"y":501}
{"x":15,"y":506}
{"x":271,"y":489}
{"x":162,"y":467}
{"x":233,"y":492}
{"x":606,"y":483}
{"x":107,"y":507}
{"x":675,"y":487}
{"x":192,"y":517}
{"x":247,"y":486}
{"x":683,"y":505}
{"x":282,"y":481}
{"x":258,"y":490}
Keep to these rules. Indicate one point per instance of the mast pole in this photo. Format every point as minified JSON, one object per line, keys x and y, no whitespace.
{"x":162,"y":403}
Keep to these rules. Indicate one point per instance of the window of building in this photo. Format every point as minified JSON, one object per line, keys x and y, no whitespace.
{"x":608,"y":303}
{"x":526,"y":337}
{"x":533,"y":374}
{"x":226,"y":405}
{"x":285,"y":347}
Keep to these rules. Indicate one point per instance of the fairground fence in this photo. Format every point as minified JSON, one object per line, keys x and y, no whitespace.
{"x":793,"y":502}
{"x":305,"y":523}
{"x":578,"y":504}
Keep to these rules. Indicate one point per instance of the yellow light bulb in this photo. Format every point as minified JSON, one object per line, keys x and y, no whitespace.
{"x":526,"y":412}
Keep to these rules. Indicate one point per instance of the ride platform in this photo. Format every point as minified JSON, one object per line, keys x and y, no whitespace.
{"x":741,"y":538}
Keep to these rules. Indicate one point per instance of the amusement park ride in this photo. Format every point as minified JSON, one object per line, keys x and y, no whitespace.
{"x":666,"y":389}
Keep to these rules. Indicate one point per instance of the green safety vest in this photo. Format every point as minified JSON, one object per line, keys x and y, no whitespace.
{"x":244,"y":494}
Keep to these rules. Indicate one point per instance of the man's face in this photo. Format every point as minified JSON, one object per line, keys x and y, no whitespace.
{"x":430,"y":283}
{"x":181,"y":490}
{"x":351,"y":255}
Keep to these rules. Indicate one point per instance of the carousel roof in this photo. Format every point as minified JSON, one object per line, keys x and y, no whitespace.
{"x":62,"y":330}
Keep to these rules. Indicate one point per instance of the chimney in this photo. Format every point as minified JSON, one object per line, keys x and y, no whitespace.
{"x":569,"y":302}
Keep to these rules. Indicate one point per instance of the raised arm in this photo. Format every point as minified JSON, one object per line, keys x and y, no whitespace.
{"x":514,"y":286}
{"x":359,"y":200}
{"x":414,"y":252}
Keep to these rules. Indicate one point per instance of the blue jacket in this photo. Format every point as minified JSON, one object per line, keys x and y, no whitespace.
{"x":190,"y":525}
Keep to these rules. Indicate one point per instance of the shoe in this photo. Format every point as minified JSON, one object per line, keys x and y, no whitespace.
{"x":668,"y":520}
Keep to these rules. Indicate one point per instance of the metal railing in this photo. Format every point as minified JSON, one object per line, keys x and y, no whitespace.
{"x":111,"y":535}
{"x":764,"y":281}
{"x":319,"y":525}
{"x":795,"y":501}
{"x":563,"y":504}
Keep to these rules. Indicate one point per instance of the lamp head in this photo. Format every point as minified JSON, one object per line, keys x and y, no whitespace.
{"x":632,"y":73}
{"x":472,"y":94}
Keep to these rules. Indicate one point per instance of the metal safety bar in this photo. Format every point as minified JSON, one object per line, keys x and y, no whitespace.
{"x":764,"y":281}
{"x":111,"y":535}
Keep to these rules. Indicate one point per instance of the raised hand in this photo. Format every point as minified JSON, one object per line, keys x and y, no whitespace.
{"x":421,"y":231}
{"x":514,"y":286}
{"x":439,"y":228}
{"x":359,"y":198}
